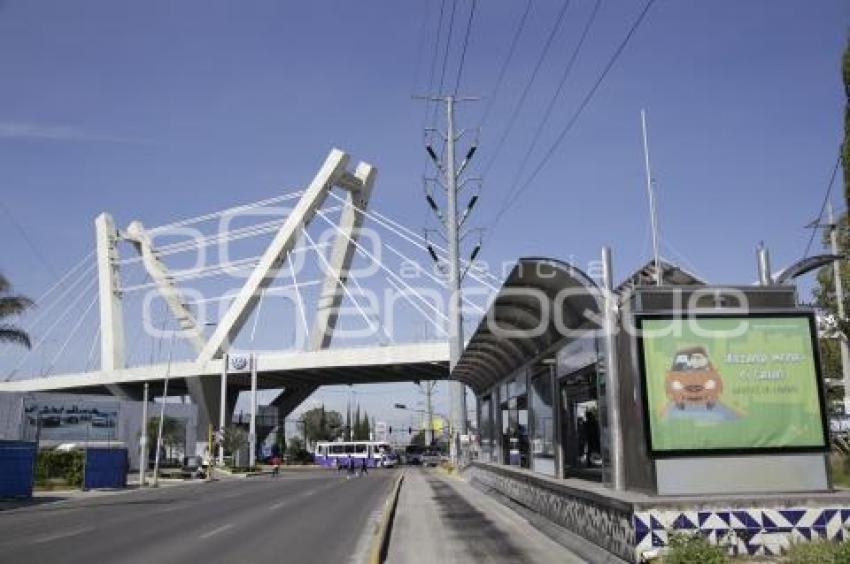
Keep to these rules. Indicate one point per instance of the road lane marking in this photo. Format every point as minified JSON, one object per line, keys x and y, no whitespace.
{"x":172,"y":508}
{"x":216,"y":531}
{"x":64,"y":535}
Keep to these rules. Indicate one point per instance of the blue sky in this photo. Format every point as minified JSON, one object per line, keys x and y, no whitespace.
{"x":160,"y":110}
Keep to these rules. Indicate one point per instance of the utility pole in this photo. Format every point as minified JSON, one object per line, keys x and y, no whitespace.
{"x":143,"y":442}
{"x":839,"y":302}
{"x":252,"y":427}
{"x":428,"y":389}
{"x":453,"y":222}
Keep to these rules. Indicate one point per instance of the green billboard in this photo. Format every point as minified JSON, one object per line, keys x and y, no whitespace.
{"x":731,"y":383}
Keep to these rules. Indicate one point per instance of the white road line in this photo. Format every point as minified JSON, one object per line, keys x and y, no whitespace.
{"x":216,"y":531}
{"x":277,"y":505}
{"x":64,"y":535}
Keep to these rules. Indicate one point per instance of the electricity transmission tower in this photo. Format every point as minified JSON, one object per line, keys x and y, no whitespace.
{"x":452,"y":223}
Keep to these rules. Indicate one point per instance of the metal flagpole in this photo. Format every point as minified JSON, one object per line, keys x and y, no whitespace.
{"x":650,"y":190}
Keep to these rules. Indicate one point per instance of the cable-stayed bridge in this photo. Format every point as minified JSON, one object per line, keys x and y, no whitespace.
{"x":304,"y":289}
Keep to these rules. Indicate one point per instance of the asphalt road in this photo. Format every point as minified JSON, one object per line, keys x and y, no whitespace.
{"x":311,"y":516}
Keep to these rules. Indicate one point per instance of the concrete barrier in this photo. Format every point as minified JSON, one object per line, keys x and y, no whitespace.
{"x":381,"y":542}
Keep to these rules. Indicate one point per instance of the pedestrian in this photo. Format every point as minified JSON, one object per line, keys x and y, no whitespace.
{"x":363,"y":466}
{"x":350,"y":468}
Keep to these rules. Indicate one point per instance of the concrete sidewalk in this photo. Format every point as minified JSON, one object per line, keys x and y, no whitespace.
{"x":443,"y":519}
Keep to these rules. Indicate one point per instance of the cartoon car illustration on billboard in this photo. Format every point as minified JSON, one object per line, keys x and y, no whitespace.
{"x":692,"y":379}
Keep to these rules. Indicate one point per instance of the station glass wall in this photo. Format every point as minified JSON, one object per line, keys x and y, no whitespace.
{"x":542,"y":423}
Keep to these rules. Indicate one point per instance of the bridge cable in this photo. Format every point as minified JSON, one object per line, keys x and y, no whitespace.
{"x":47,"y":333}
{"x":372,"y":257}
{"x":398,"y":229}
{"x":257,"y":314}
{"x":339,"y":279}
{"x":67,"y":274}
{"x":418,"y":308}
{"x":43,"y":313}
{"x":299,"y":300}
{"x":71,"y":335}
{"x":93,"y":347}
{"x":227,"y":211}
{"x":429,"y":275}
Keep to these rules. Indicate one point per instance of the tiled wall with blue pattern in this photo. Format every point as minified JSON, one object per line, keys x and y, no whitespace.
{"x":758,"y":531}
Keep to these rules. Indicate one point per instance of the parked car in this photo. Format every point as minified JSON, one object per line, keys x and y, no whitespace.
{"x":102,"y":421}
{"x":193,"y":467}
{"x":431,"y":458}
{"x":389,"y":460}
{"x":413,"y":455}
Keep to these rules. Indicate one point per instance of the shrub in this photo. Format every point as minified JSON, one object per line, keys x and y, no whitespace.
{"x":690,"y":548}
{"x":67,"y":466}
{"x":819,"y":552}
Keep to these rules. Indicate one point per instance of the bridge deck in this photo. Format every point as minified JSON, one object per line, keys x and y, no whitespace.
{"x":361,"y":365}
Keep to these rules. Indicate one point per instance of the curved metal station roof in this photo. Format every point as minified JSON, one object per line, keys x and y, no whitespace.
{"x":539,"y":301}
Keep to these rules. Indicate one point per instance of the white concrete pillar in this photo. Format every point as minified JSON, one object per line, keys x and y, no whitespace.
{"x":111,"y":310}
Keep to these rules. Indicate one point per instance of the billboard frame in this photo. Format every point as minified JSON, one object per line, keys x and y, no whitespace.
{"x":809,"y":315}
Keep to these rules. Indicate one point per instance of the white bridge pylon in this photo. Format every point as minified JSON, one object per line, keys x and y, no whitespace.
{"x":297,"y":373}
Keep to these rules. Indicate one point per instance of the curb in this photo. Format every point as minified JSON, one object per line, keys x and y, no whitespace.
{"x":381,"y":542}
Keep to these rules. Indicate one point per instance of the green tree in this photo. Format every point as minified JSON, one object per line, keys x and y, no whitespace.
{"x":418,"y":438}
{"x":347,"y":434}
{"x":826,"y":302}
{"x":173,"y":434}
{"x":321,"y":425}
{"x":12,"y":306}
{"x":357,"y":428}
{"x":365,"y":428}
{"x":235,"y":438}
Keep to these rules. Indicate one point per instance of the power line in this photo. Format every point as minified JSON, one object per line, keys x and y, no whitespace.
{"x":434,"y":63}
{"x":567,"y":71}
{"x":506,"y":62}
{"x":465,"y":45}
{"x":823,"y":205}
{"x":512,"y":120}
{"x":588,"y":97}
{"x":445,"y":60}
{"x":30,"y":243}
{"x":420,"y":49}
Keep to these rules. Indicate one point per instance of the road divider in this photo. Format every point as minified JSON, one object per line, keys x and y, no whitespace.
{"x":381,"y":540}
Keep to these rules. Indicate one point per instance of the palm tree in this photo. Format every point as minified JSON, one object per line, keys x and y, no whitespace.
{"x":12,"y":305}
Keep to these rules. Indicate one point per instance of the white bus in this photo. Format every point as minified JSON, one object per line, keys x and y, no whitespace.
{"x":339,"y":453}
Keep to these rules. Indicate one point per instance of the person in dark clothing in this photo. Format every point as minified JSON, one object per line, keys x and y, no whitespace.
{"x":592,"y":434}
{"x":363,"y":466}
{"x":350,"y":468}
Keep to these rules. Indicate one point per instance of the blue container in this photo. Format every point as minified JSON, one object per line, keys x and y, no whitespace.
{"x":17,"y":460}
{"x":106,"y":468}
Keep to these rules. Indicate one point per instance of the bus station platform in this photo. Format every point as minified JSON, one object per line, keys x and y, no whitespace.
{"x":636,"y":526}
{"x":443,"y":519}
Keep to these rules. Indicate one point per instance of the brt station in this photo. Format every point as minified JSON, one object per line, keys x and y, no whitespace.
{"x":626,"y":414}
